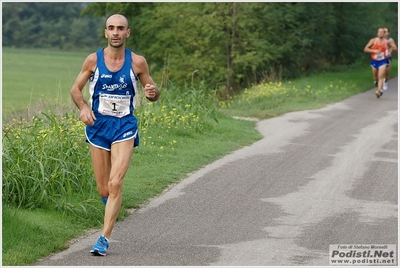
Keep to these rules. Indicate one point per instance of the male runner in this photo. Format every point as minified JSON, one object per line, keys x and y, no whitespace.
{"x":377,"y":47}
{"x":389,"y":51}
{"x":111,"y":127}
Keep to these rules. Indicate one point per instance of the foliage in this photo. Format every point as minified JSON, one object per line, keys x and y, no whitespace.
{"x":234,"y":45}
{"x":179,"y":109}
{"x":48,"y":25}
{"x":229,"y":45}
{"x":45,"y":164}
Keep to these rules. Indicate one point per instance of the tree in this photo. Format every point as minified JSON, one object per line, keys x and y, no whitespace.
{"x":226,"y":45}
{"x":48,"y":25}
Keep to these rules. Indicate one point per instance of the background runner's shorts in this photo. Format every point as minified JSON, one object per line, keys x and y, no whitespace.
{"x":108,"y":130}
{"x":378,"y":63}
{"x":389,"y":61}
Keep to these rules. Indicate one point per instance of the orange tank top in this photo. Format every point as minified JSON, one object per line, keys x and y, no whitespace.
{"x":382,"y":49}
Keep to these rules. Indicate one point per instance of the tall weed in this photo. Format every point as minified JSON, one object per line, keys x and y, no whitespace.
{"x":45,"y":164}
{"x":179,"y":110}
{"x":46,"y":161}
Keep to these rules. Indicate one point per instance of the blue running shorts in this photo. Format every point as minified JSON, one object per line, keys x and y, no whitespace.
{"x":378,"y":63}
{"x":389,"y":61}
{"x":108,"y":130}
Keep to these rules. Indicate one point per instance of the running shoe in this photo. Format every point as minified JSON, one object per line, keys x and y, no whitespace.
{"x":385,"y":85}
{"x":381,"y":92}
{"x":100,"y":248}
{"x":376,"y":82}
{"x":378,"y":94}
{"x":104,"y":199}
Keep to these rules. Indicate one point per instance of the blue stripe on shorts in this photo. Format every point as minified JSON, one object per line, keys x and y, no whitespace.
{"x":108,"y":130}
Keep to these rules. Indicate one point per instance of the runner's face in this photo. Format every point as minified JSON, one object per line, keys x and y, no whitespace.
{"x":386,"y":32}
{"x":381,"y":33}
{"x":116,"y":31}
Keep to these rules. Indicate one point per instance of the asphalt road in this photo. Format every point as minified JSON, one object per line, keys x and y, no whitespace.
{"x":320,"y":177}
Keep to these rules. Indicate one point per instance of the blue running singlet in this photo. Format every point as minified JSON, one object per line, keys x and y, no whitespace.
{"x":112,"y":99}
{"x":113,"y":93}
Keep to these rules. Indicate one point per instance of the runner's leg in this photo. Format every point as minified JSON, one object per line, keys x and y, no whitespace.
{"x":101,"y":162}
{"x":381,"y":75}
{"x":375,"y":75}
{"x":121,"y":154}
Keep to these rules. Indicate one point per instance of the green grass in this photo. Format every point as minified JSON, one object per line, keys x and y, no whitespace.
{"x":31,"y":76}
{"x":272,"y":99}
{"x":38,"y":232}
{"x":182,"y":132}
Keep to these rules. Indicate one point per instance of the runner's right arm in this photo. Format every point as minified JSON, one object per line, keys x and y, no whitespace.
{"x":87,"y":116}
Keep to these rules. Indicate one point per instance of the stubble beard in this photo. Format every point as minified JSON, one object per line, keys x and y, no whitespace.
{"x":119,"y":45}
{"x":116,"y":46}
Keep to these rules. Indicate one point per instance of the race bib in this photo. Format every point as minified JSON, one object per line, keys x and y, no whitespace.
{"x":379,"y":56}
{"x":114,"y":105}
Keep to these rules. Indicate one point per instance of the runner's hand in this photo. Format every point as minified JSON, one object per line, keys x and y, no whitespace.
{"x":150,"y":91}
{"x":87,"y":116}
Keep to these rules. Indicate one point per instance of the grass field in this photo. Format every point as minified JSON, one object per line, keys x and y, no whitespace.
{"x":271,"y":99}
{"x":178,"y":132}
{"x":29,"y":76}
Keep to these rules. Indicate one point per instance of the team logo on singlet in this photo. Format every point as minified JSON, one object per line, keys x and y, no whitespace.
{"x":121,"y":85}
